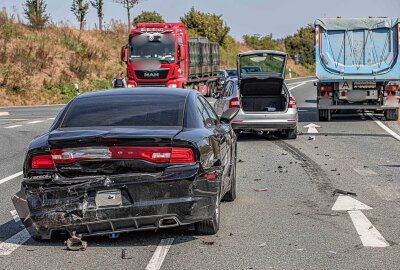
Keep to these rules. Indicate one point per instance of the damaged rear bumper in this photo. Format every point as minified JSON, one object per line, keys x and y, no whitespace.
{"x":116,"y":204}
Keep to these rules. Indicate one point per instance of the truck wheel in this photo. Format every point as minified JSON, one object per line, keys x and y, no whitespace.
{"x":209,"y":226}
{"x":391,"y":115}
{"x":324,"y":115}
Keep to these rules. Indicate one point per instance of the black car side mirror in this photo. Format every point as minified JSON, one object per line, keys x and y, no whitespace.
{"x":229,"y":114}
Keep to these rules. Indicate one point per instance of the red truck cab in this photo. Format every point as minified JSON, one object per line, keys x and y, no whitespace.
{"x":157,"y":55}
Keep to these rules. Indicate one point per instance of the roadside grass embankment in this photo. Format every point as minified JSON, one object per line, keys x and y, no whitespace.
{"x":41,"y":66}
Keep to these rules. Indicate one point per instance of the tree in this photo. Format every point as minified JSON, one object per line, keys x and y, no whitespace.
{"x":148,"y":16}
{"x":98,"y":5}
{"x":258,"y":42}
{"x":35,"y":12}
{"x":128,"y":5}
{"x":207,"y":25}
{"x":80,"y":9}
{"x":302,"y":43}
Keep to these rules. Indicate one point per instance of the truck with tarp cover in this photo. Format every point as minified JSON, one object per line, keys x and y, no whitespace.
{"x":162,"y":55}
{"x":357,"y":65}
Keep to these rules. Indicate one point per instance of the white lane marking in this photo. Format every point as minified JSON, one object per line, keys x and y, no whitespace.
{"x":4,"y":113}
{"x":290,"y":84}
{"x":14,"y":242}
{"x":299,"y":78}
{"x":51,"y":118}
{"x":382,"y":125}
{"x":14,"y":126}
{"x":2,"y":181}
{"x":15,"y":216}
{"x":364,"y":171}
{"x":159,"y":255}
{"x":369,"y":235}
{"x":294,"y":87}
{"x":35,"y":122}
{"x":13,"y":119}
{"x":347,"y":203}
{"x":36,"y":106}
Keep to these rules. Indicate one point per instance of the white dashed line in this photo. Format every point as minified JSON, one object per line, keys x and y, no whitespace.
{"x":382,"y":125}
{"x":365,"y":171}
{"x":14,"y":242}
{"x":35,"y":122}
{"x":4,"y":113}
{"x":159,"y":255}
{"x":14,"y":126}
{"x":2,"y":181}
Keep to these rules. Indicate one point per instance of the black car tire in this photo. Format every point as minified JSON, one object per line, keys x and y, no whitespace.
{"x":209,"y":226}
{"x":230,"y":196}
{"x":290,"y":134}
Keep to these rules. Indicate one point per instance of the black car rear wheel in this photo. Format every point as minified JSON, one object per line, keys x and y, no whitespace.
{"x":209,"y":226}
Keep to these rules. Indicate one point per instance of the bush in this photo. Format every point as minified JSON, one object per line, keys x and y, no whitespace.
{"x":302,"y":43}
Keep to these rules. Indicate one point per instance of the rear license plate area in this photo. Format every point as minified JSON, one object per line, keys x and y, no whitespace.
{"x":108,"y":198}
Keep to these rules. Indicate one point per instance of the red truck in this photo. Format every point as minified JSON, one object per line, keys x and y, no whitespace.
{"x":162,"y":55}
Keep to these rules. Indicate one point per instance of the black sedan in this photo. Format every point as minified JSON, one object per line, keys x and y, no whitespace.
{"x":120,"y":160}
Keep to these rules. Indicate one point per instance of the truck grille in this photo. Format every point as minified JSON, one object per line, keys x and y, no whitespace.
{"x":161,"y":73}
{"x":151,"y":85}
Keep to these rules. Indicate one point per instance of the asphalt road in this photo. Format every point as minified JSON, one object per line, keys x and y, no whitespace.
{"x":291,"y":225}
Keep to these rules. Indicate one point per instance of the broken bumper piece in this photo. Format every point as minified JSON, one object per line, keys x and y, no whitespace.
{"x":105,"y":205}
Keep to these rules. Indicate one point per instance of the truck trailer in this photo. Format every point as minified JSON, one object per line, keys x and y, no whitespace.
{"x":357,"y":65}
{"x":162,"y":55}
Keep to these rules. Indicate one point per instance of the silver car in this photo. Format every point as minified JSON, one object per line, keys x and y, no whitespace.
{"x":261,"y":94}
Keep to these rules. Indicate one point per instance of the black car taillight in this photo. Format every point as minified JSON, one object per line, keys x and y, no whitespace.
{"x":44,"y":162}
{"x":151,"y":154}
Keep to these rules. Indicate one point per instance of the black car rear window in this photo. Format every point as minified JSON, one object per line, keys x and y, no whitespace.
{"x":126,"y":110}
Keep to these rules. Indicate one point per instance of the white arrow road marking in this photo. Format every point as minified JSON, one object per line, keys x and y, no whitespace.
{"x":312,"y":128}
{"x":382,"y":125}
{"x":347,"y":203}
{"x":10,"y":177}
{"x":159,"y":255}
{"x":369,"y":235}
{"x":4,"y":113}
{"x":14,"y":126}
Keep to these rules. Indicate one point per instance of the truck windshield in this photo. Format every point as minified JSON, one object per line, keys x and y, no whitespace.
{"x":158,"y":46}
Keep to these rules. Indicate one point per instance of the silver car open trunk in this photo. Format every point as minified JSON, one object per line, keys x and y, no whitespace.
{"x":263,"y":95}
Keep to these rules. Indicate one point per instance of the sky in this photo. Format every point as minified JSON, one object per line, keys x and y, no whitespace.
{"x":276,"y":17}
